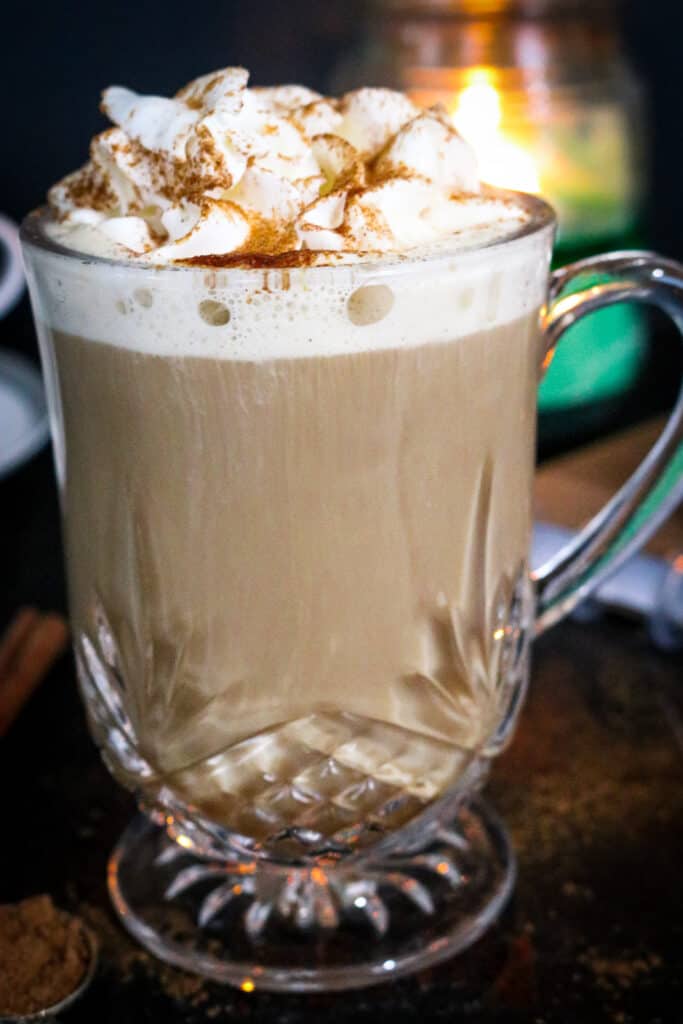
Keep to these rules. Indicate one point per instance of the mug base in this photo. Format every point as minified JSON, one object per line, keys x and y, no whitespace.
{"x":283,"y":928}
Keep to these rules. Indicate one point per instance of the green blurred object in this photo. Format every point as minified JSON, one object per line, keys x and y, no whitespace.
{"x":599,"y":358}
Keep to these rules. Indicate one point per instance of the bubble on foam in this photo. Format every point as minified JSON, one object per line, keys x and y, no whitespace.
{"x":493,"y":297}
{"x":369,"y":304}
{"x":465,"y":299}
{"x":215,"y":313}
{"x":143,"y":297}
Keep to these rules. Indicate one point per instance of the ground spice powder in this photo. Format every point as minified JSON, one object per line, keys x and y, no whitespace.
{"x":44,"y":954}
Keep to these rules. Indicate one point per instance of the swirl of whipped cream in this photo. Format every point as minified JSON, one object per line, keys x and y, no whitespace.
{"x":223,"y":170}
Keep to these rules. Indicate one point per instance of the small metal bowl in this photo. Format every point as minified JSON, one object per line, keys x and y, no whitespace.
{"x":50,"y":1012}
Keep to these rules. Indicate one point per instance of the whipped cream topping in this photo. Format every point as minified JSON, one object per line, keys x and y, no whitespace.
{"x":226,"y":173}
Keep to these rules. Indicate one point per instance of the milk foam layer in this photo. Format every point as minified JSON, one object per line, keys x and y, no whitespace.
{"x":303,"y":312}
{"x":223,"y":170}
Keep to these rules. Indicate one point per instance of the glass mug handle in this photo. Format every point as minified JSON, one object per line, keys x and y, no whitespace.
{"x":654,"y":490}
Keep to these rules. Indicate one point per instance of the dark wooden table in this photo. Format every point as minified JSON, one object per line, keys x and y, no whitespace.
{"x":592,"y":789}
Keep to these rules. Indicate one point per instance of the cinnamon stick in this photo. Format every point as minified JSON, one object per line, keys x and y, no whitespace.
{"x":29,"y":647}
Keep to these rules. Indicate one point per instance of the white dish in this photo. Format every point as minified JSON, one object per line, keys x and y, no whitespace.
{"x":24,"y":426}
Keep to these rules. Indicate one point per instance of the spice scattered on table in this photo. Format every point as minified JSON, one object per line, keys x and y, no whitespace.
{"x":126,"y":959}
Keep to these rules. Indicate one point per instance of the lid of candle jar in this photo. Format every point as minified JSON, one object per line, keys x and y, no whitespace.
{"x":492,"y":8}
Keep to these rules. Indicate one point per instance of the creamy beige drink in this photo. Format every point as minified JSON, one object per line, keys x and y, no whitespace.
{"x":298,"y":438}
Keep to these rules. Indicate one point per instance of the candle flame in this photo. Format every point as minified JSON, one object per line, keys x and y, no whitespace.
{"x":478,"y":115}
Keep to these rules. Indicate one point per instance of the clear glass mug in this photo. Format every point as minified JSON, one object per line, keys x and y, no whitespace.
{"x":299,"y":583}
